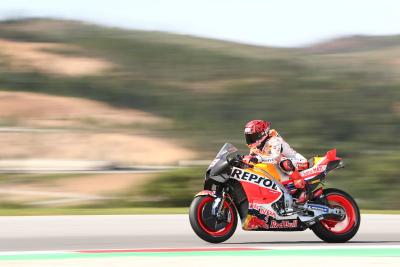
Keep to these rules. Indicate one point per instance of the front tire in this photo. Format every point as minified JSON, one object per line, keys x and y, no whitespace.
{"x":206,"y":226}
{"x":334,"y":231}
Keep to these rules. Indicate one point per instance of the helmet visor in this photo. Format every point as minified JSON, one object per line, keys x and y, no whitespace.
{"x":253,"y":138}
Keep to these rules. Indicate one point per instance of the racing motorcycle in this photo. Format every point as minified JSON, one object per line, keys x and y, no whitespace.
{"x":263,"y":196}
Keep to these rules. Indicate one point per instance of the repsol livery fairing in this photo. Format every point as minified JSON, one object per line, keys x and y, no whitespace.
{"x":262,"y":197}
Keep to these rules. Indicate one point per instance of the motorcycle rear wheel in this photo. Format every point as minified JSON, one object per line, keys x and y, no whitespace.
{"x":333,"y":231}
{"x":206,"y":226}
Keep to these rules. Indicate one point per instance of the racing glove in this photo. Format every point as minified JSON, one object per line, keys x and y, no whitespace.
{"x":250,"y":160}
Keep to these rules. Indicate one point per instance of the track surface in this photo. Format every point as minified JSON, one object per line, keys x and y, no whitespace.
{"x":32,"y":233}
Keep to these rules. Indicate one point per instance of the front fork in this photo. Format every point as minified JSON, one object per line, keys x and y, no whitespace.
{"x":217,"y":208}
{"x":217,"y":205}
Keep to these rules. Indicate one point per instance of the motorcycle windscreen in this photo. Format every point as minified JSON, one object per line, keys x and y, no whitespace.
{"x":226,"y":150}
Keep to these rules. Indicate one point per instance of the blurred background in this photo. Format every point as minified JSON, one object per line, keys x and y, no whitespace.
{"x":118,"y":104}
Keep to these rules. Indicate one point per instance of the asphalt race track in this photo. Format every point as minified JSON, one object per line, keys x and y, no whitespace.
{"x":44,"y":233}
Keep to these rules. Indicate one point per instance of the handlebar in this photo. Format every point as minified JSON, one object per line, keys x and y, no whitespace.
{"x":237,"y":161}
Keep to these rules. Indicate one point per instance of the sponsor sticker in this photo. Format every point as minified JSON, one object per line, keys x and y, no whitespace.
{"x":318,"y":207}
{"x":313,"y":170}
{"x":282,"y":224}
{"x":242,"y":175}
{"x":261,"y":209}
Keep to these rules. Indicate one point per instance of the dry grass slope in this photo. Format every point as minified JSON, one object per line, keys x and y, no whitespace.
{"x":24,"y":56}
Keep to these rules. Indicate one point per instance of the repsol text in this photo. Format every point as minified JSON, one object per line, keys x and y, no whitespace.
{"x":243,"y":175}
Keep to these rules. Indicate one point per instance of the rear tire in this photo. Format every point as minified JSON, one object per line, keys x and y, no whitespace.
{"x":206,"y":226}
{"x":334,"y":231}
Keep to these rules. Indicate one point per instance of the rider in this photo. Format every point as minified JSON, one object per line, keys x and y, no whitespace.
{"x":266,"y":145}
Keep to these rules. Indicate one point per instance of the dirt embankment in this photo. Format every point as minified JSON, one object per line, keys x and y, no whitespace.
{"x":114,"y":137}
{"x":40,"y":57}
{"x":41,"y":110}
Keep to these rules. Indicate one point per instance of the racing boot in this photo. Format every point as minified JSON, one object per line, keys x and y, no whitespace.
{"x":301,"y":194}
{"x":302,"y":198}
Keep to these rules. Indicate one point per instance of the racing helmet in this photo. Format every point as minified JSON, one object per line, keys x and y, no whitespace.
{"x":256,"y":132}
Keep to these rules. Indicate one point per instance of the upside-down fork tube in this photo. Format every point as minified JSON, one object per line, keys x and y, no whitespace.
{"x":217,"y":205}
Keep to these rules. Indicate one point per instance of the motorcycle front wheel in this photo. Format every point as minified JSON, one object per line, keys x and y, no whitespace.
{"x":206,"y":225}
{"x":334,"y":231}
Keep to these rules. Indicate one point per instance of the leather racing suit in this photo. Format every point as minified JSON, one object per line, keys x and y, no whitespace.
{"x":277,"y":150}
{"x":274,"y":149}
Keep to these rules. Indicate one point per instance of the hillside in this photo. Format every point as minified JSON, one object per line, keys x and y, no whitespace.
{"x":356,"y":43}
{"x":343,"y":94}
